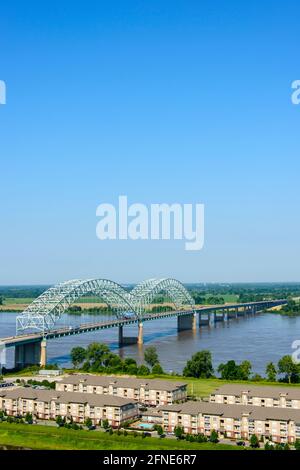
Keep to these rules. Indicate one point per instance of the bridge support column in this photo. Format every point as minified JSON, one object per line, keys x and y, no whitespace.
{"x":43,"y":357}
{"x":121,"y":338}
{"x":127,"y":340}
{"x":28,"y":354}
{"x":236,"y":312}
{"x":194,"y":322}
{"x":226,"y":315}
{"x":186,"y":322}
{"x":140,"y":339}
{"x":212,"y":319}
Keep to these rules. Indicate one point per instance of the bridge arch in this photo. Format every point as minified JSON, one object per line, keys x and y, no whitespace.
{"x":45,"y":311}
{"x":145,"y":292}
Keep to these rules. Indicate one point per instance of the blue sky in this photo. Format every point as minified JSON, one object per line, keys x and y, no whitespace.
{"x":169,"y":101}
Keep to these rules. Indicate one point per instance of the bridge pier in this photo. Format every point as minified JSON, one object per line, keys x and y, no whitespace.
{"x":121,"y":337}
{"x":126,"y":340}
{"x":194,"y":322}
{"x":29,"y":354}
{"x":186,"y":322}
{"x":43,"y":355}
{"x":140,"y":338}
{"x":212,"y":319}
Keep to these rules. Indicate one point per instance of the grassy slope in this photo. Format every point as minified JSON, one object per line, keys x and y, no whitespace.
{"x":46,"y":437}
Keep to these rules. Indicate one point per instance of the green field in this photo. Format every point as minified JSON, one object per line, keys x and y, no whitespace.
{"x":19,"y":300}
{"x":49,"y":437}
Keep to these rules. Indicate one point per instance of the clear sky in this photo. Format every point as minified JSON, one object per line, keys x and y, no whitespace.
{"x":163,"y":101}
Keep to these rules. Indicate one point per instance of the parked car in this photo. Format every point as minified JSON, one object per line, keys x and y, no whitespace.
{"x":240,"y":443}
{"x":6,"y":384}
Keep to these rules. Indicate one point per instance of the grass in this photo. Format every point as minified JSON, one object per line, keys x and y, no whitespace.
{"x":50,"y":438}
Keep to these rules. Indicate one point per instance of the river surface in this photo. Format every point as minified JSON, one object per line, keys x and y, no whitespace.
{"x":260,"y":339}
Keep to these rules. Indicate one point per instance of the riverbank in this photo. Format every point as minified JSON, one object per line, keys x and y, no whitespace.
{"x":37,"y":437}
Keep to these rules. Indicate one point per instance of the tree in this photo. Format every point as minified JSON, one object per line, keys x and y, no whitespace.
{"x":297,"y":444}
{"x":179,"y":432}
{"x":271,"y":372}
{"x":143,"y":370}
{"x":113,"y":361}
{"x":244,"y":370}
{"x":129,"y":361}
{"x":229,"y":370}
{"x":289,"y":368}
{"x":151,"y":356}
{"x":105,"y":424}
{"x":254,"y":442}
{"x":59,"y":420}
{"x":29,"y":418}
{"x":96,"y":352}
{"x":78,"y":355}
{"x":130,"y":366}
{"x":158,"y":428}
{"x":269,"y":446}
{"x":199,"y":366}
{"x":157,"y":369}
{"x":132,"y":369}
{"x":214,"y":436}
{"x":88,"y":422}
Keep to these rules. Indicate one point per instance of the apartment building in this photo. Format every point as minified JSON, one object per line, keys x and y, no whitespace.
{"x":48,"y":404}
{"x":150,"y":392}
{"x":237,"y":394}
{"x":234,"y":421}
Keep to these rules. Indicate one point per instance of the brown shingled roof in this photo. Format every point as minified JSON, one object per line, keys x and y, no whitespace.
{"x":235,"y":411}
{"x":262,"y":391}
{"x":66,"y":397}
{"x":124,"y":382}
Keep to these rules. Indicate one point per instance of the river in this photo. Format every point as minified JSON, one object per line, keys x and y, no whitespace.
{"x":260,"y":339}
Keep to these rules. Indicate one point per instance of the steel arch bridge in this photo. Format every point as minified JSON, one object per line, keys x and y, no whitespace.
{"x":43,"y":313}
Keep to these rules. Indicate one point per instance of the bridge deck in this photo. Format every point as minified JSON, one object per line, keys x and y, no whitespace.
{"x":11,"y":341}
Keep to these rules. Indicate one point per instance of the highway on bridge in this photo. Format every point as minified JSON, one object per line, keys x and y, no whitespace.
{"x":238,"y":308}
